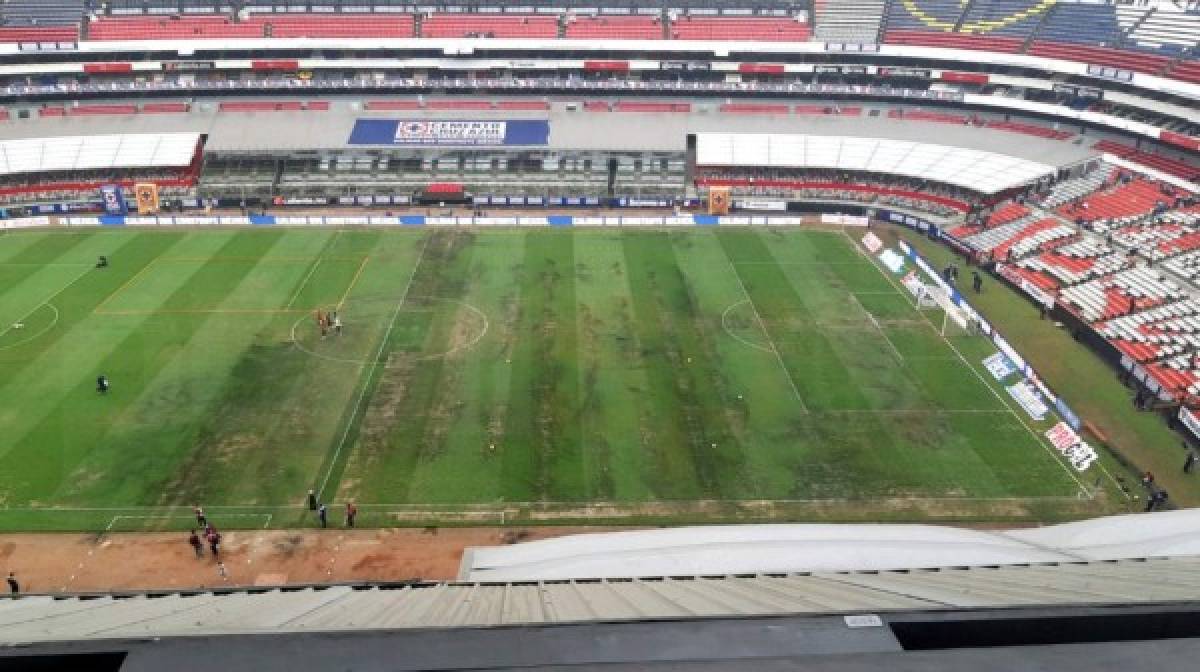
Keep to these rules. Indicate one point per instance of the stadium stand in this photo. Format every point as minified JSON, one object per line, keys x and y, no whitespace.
{"x":1167,"y":165}
{"x":441,"y":24}
{"x":337,"y":25}
{"x":848,"y":20}
{"x":1078,"y":23}
{"x":39,"y":34}
{"x":1165,"y":29}
{"x":43,"y":13}
{"x":614,"y":27}
{"x":1010,"y":18}
{"x":172,"y":27}
{"x":762,"y":29}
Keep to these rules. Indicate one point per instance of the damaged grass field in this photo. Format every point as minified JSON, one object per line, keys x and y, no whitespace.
{"x":488,"y":376}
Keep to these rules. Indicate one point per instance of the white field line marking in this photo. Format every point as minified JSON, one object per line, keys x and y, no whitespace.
{"x":52,"y":297}
{"x":493,"y":509}
{"x":304,"y":284}
{"x":895,"y":350}
{"x":313,"y":270}
{"x":371,"y":372}
{"x":725,"y":326}
{"x":267,"y":517}
{"x":45,"y":329}
{"x":1036,"y":437}
{"x":766,"y":334}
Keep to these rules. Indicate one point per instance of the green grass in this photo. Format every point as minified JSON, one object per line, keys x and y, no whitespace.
{"x":554,"y":376}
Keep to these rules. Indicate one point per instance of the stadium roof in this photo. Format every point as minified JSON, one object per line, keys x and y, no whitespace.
{"x":97,"y":152}
{"x":981,"y":171}
{"x":747,"y":549}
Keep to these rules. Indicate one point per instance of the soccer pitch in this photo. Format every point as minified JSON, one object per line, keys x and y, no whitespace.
{"x":493,"y":375}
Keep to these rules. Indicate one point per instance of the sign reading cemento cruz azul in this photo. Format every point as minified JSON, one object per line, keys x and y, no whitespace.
{"x":454,"y":132}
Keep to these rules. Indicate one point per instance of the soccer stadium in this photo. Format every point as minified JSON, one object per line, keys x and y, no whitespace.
{"x":685,"y":335}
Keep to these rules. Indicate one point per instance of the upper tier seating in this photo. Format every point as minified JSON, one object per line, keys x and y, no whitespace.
{"x":32,"y":13}
{"x":489,"y":25}
{"x":761,"y":29}
{"x":935,"y":15}
{"x":39,"y":34}
{"x":175,"y":27}
{"x":1188,"y":71}
{"x":848,"y":20}
{"x":1010,"y":18}
{"x":335,"y":25}
{"x":954,"y":40}
{"x":1081,"y":24}
{"x":615,"y":27}
{"x":1117,"y":58}
{"x":1167,"y":30}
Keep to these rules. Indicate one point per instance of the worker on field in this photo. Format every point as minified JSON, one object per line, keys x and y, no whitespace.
{"x":102,"y":384}
{"x":102,"y":262}
{"x":977,"y":281}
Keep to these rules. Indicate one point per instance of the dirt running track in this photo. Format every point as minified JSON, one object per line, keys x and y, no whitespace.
{"x":54,"y":563}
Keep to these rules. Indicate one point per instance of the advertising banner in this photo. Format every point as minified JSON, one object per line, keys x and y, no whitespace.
{"x":113,"y":199}
{"x":450,"y":132}
{"x":146,"y":196}
{"x":872,"y":242}
{"x":999,"y":366}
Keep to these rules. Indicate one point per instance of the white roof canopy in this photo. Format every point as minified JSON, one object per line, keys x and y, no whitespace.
{"x":97,"y":152}
{"x":981,"y":171}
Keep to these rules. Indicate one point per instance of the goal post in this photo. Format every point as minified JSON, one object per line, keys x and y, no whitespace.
{"x":933,"y":297}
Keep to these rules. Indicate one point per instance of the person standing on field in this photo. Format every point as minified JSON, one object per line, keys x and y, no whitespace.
{"x":323,"y":514}
{"x":13,"y":586}
{"x":201,"y":520}
{"x":312,"y":500}
{"x":351,"y":513}
{"x":194,"y":542}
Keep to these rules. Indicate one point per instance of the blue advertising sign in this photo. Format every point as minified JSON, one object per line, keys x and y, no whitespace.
{"x":457,"y":132}
{"x":113,"y":199}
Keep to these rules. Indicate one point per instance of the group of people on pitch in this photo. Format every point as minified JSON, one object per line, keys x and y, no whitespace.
{"x":329,"y":320}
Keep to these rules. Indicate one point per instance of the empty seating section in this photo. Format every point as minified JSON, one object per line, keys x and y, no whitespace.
{"x":1121,"y":293}
{"x":174,"y":27}
{"x":929,"y":15}
{"x":758,"y":29}
{"x":28,"y":13}
{"x":1167,"y":30}
{"x":336,"y":25}
{"x":1008,"y":212}
{"x":836,"y":110}
{"x":754,"y":108}
{"x":39,"y":34}
{"x":921,"y":115}
{"x":1011,"y":18}
{"x":1137,"y":197}
{"x":615,"y":27}
{"x":1117,"y":58}
{"x":489,"y":25}
{"x":1176,"y":167}
{"x":1072,"y":263}
{"x":1029,"y":129}
{"x":848,"y":20}
{"x":1188,"y":71}
{"x":1072,"y":189}
{"x":1080,"y":24}
{"x":86,"y":110}
{"x":954,"y":40}
{"x":633,"y":106}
